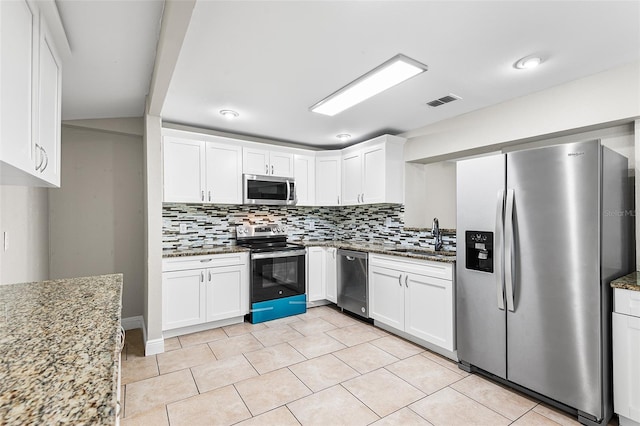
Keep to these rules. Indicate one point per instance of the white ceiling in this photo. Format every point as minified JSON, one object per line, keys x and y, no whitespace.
{"x":271,"y":61}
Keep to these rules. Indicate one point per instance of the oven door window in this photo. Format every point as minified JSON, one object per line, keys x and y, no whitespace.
{"x":265,"y":190}
{"x":273,"y":278}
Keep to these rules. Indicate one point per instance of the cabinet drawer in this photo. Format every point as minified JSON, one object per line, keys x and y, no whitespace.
{"x":626,"y":302}
{"x":425,"y":267}
{"x":197,"y":262}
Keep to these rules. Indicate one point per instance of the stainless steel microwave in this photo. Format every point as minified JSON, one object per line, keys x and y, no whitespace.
{"x":269,"y":190}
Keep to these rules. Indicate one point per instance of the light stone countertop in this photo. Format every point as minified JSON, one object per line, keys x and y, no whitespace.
{"x":59,"y":351}
{"x":392,"y":250}
{"x":417,"y":252}
{"x":204,"y":251}
{"x":628,"y":282}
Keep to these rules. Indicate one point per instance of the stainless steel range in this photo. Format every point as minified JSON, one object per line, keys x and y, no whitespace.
{"x":278,"y":279}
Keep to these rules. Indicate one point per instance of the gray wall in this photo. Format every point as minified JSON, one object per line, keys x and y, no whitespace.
{"x":96,"y":217}
{"x":24,"y":217}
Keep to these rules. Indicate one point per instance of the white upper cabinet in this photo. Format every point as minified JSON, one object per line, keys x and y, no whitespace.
{"x":184,"y":170}
{"x":198,"y":171}
{"x":305,"y":176}
{"x":264,"y":162}
{"x":18,"y":22}
{"x":30,"y":88}
{"x":223,"y":173}
{"x":328,"y":178}
{"x":373,"y":172}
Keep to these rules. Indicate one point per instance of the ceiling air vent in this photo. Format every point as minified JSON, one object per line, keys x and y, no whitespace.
{"x":444,"y":100}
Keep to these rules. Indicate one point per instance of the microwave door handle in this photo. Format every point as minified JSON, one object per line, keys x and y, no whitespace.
{"x":288,"y":190}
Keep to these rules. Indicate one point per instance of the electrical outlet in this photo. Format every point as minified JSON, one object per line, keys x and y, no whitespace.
{"x":312,"y":225}
{"x":387,"y":222}
{"x":183,"y":228}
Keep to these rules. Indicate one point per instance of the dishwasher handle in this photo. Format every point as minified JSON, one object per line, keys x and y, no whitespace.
{"x":352,"y":254}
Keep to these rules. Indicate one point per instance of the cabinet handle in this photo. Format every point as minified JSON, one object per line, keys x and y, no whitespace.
{"x":46,"y":160}
{"x":362,"y":198}
{"x":209,"y":276}
{"x":338,"y":200}
{"x":39,"y":149}
{"x":266,"y":168}
{"x":209,"y":195}
{"x":272,"y":169}
{"x":406,"y":278}
{"x":201,"y":276}
{"x":400,"y":280}
{"x":202,"y":195}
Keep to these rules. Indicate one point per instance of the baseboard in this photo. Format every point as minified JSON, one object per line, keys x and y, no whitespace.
{"x":453,"y":355}
{"x":132,"y":323}
{"x":153,"y":347}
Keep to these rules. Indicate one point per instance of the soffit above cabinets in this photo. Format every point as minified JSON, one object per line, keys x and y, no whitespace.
{"x":271,"y":60}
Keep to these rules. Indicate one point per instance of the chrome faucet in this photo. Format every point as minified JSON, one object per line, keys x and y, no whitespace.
{"x":436,"y":234}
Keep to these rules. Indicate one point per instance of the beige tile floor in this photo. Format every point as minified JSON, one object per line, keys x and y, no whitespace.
{"x":319,"y":368}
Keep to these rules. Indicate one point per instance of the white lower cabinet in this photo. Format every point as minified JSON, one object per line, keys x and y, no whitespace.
{"x":626,"y":356}
{"x":201,"y":289}
{"x":322,"y":275}
{"x":413,"y":296}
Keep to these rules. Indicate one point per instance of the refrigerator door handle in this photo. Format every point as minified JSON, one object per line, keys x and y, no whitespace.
{"x":508,"y":250}
{"x":498,"y":249}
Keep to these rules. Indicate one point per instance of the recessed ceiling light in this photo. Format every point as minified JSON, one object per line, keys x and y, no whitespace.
{"x":343,"y":137}
{"x":229,"y":114}
{"x":392,"y":72}
{"x":528,"y":62}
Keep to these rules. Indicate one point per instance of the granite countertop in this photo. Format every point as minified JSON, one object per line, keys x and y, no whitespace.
{"x":416,"y":252}
{"x":204,"y":251}
{"x":59,"y":351}
{"x":628,"y":282}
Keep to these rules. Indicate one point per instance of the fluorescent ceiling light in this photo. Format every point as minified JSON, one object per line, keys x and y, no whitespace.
{"x":394,"y":71}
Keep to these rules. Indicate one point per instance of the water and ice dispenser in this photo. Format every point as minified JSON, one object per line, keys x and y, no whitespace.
{"x":479,"y":250}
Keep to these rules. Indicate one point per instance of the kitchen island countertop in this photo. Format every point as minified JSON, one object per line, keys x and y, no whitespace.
{"x":59,"y":351}
{"x":628,"y":282}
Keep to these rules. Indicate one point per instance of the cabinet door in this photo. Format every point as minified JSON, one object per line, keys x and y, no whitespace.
{"x":281,"y":164}
{"x":223,"y":173}
{"x":386,"y":296}
{"x":373,"y":175}
{"x":18,"y":23}
{"x":255,"y":161}
{"x":315,"y":274}
{"x":224,"y":292}
{"x":47,"y":147}
{"x":328,"y":178}
{"x":184,"y":170}
{"x":429,"y":309}
{"x":626,"y":368}
{"x":351,"y":179}
{"x":183,"y":298}
{"x":331,"y":274}
{"x":305,"y":167}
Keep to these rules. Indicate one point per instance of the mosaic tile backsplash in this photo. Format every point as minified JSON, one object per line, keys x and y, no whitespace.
{"x":213,"y":225}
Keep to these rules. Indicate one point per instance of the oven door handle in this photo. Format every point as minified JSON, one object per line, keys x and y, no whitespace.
{"x":272,"y":254}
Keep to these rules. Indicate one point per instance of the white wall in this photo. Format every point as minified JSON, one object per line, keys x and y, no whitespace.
{"x":153,"y":234}
{"x":24,"y":217}
{"x":430,"y":192}
{"x":600,"y":100}
{"x":96,"y":217}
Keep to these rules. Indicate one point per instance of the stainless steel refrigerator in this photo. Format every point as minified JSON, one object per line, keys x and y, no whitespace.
{"x":541,"y":233}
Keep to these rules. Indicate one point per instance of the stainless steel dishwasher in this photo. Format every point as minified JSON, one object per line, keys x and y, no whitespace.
{"x":353,"y":292}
